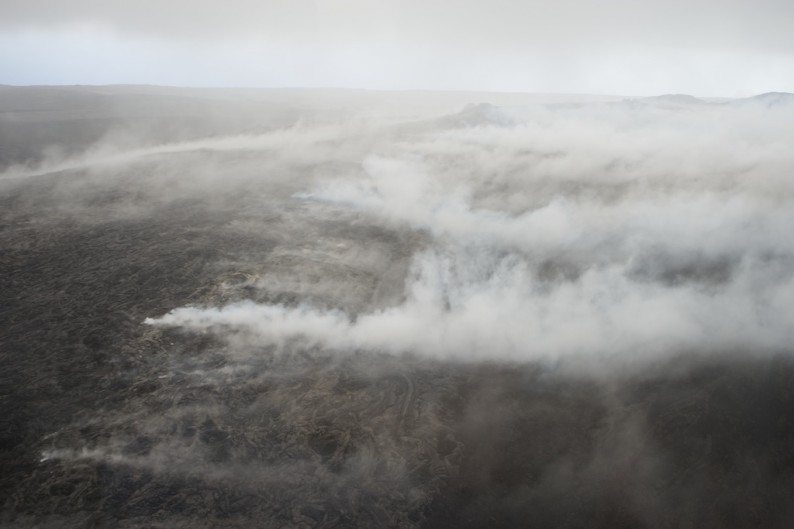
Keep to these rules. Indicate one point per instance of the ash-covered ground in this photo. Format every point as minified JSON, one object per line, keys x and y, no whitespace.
{"x":353,"y":309}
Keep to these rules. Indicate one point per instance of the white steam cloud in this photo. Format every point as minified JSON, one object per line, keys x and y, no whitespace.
{"x":633,"y":229}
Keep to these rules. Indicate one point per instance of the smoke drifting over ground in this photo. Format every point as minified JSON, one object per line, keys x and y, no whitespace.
{"x":332,"y":309}
{"x":570,"y":231}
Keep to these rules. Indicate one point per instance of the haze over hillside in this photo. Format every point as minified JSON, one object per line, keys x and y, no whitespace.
{"x":351,"y":308}
{"x":396,"y":264}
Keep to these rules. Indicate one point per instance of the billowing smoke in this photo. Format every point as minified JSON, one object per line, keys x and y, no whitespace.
{"x":621,"y":229}
{"x":378,"y":313}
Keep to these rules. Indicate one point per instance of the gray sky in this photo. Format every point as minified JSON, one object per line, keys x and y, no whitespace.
{"x":632,"y":47}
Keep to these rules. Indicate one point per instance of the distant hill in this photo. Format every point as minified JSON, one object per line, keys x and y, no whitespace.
{"x":675,"y":99}
{"x":770,"y":99}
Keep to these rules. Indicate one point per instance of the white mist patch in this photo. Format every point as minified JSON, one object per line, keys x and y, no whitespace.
{"x":464,"y":306}
{"x":289,"y":145}
{"x":604,"y":231}
{"x":703,"y":222}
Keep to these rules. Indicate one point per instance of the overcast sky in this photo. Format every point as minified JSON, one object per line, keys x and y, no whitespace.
{"x":625,"y":47}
